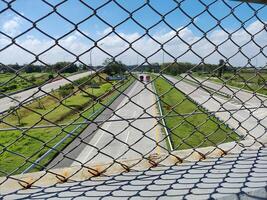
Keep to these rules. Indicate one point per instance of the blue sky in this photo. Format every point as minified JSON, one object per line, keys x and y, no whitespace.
{"x":112,"y":14}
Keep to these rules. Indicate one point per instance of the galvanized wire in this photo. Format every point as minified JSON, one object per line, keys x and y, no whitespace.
{"x":132,"y":122}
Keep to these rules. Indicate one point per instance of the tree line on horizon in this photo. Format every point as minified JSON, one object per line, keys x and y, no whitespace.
{"x":112,"y":67}
{"x":62,"y":67}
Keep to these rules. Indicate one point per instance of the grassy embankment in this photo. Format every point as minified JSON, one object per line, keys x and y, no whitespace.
{"x":10,"y":82}
{"x":245,"y":80}
{"x":34,"y":143}
{"x":196,"y":130}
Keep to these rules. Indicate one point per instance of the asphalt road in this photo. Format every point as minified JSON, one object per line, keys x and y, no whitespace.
{"x":246,"y":113}
{"x":248,"y":98}
{"x":14,"y":100}
{"x":119,"y":138}
{"x":113,"y":137}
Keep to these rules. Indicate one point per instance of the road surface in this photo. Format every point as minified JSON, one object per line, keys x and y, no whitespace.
{"x":67,"y":155}
{"x":22,"y":97}
{"x":126,"y":139}
{"x":238,"y":94}
{"x":247,"y":115}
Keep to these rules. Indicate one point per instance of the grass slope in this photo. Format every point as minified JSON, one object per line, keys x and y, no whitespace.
{"x":17,"y":145}
{"x":196,"y":130}
{"x":10,"y":82}
{"x":255,"y":82}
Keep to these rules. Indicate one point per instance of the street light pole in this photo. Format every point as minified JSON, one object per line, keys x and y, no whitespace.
{"x":91,"y":64}
{"x":162,"y":57}
{"x":91,"y":57}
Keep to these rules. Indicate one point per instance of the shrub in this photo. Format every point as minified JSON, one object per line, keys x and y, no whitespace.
{"x":227,"y":77}
{"x":12,"y":87}
{"x":50,"y":76}
{"x":32,"y":79}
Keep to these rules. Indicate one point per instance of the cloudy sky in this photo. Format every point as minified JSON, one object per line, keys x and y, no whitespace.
{"x":230,"y":30}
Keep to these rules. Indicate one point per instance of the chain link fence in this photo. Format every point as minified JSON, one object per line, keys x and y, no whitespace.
{"x":118,"y":95}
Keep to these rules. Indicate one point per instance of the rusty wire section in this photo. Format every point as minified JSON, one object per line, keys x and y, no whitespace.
{"x":96,"y":120}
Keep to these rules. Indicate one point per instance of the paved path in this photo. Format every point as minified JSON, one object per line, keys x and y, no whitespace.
{"x":240,"y":115}
{"x":124,"y":139}
{"x":14,"y":100}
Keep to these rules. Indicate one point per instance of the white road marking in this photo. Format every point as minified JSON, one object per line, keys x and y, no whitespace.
{"x":85,"y":154}
{"x":88,"y":149}
{"x":240,"y":120}
{"x":115,"y":148}
{"x":128,"y":132}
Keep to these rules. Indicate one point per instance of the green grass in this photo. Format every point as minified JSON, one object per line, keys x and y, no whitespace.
{"x":196,"y":130}
{"x":245,"y":80}
{"x":10,"y":82}
{"x":33,"y":143}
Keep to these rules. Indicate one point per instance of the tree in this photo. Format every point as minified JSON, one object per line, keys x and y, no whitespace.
{"x":32,"y":79}
{"x":65,"y":90}
{"x":40,"y":103}
{"x":113,"y":68}
{"x":260,"y":81}
{"x":63,"y":93}
{"x":84,"y":67}
{"x":221,"y":68}
{"x":50,"y":76}
{"x":32,"y":68}
{"x":66,"y":67}
{"x":15,"y":112}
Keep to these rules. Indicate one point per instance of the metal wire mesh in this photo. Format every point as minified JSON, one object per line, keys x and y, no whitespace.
{"x":170,"y":84}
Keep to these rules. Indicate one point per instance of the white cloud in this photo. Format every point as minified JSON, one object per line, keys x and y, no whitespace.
{"x":106,"y":31}
{"x":11,"y":26}
{"x":176,"y":44}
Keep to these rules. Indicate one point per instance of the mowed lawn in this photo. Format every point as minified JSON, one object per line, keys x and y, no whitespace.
{"x":191,"y":129}
{"x":18,"y":146}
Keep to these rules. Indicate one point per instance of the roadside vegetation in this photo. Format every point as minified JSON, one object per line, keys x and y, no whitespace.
{"x":248,"y":80}
{"x":252,"y":79}
{"x":12,"y":82}
{"x":14,"y":78}
{"x":189,"y":125}
{"x":67,"y":105}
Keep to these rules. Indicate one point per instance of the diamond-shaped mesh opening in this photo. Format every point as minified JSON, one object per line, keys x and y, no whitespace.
{"x":96,"y":88}
{"x":31,"y":10}
{"x":104,"y":13}
{"x":58,"y":22}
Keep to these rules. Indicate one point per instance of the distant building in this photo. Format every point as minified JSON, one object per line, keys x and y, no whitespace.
{"x":115,"y":78}
{"x":154,"y":67}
